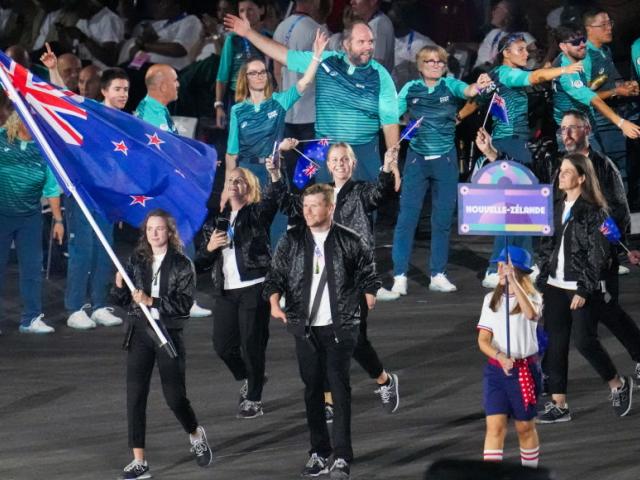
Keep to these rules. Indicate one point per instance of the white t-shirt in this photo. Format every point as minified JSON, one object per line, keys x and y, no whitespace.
{"x":323,"y":317}
{"x":155,"y":282}
{"x":524,"y":341}
{"x":297,"y":32}
{"x":385,"y":40}
{"x":557,"y":279}
{"x":406,"y":49}
{"x":230,"y":270}
{"x":488,"y":50}
{"x":186,"y":31}
{"x":46,"y":28}
{"x":104,"y":26}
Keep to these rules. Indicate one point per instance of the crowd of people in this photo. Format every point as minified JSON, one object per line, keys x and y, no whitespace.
{"x":306,"y":256}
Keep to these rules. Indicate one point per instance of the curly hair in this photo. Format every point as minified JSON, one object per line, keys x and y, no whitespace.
{"x":143,"y":249}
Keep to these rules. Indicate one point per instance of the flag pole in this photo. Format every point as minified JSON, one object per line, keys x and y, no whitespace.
{"x":57,"y":166}
{"x":506,"y":297}
{"x":486,"y":117}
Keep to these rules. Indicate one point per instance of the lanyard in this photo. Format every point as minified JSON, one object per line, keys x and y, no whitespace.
{"x":287,"y":37}
{"x":318,"y":254}
{"x":175,"y":19}
{"x":247,"y":47}
{"x":412,"y":35}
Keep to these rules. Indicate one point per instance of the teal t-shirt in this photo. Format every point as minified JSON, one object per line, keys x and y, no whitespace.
{"x":570,"y":92}
{"x":25,"y":177}
{"x":235,"y":51}
{"x":351,"y":102}
{"x":599,"y":61}
{"x":438,"y":105}
{"x":511,"y":84}
{"x":635,"y":58}
{"x":152,"y":111}
{"x":253,"y":129}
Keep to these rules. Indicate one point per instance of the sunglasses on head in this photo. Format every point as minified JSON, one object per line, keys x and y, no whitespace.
{"x":514,"y":37}
{"x":576,"y":42}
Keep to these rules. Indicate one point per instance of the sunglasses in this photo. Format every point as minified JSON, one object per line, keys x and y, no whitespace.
{"x":576,"y":42}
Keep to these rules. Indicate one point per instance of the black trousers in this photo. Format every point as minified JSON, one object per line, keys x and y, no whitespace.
{"x":322,"y":355}
{"x":560,"y":320}
{"x":143,"y":354}
{"x":241,"y":333}
{"x":364,"y":352}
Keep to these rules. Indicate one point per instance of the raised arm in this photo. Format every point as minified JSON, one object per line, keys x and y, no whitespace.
{"x":546,"y":74}
{"x":50,"y":61}
{"x":269,"y":47}
{"x":319,"y":44}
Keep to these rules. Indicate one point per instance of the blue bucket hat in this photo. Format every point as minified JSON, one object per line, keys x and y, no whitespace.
{"x":519,"y":258}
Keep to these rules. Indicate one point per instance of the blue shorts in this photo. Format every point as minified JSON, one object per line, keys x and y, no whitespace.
{"x":502,"y":395}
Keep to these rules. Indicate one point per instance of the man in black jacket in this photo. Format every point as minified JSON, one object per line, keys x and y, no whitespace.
{"x":323,"y":269}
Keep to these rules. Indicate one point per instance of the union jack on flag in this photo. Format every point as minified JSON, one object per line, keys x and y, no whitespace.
{"x":121,"y":166}
{"x":498,"y":108}
{"x":305,"y":171}
{"x":310,"y":170}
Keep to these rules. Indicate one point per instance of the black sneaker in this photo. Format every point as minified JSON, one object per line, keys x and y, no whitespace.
{"x":201,"y":450}
{"x":389,"y":395}
{"x":136,"y":470}
{"x":637,"y":371}
{"x":621,"y":398}
{"x":339,"y":470}
{"x":316,"y":466}
{"x":554,"y":414}
{"x":244,"y":389}
{"x":328,"y":412}
{"x":250,"y":409}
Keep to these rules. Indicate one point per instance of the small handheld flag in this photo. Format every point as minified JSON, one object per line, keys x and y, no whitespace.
{"x":411,"y":129}
{"x":317,"y":151}
{"x":497,"y":108}
{"x":612,"y":233}
{"x":305,"y":171}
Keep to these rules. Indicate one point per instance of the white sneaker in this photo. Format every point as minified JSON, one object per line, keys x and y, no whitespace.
{"x":534,"y":274}
{"x":104,"y":316}
{"x":490,"y":280}
{"x":384,"y":295}
{"x":282,"y":302}
{"x":198,"y":312}
{"x":37,"y":326}
{"x":400,"y":284}
{"x":80,"y":321}
{"x":440,"y":283}
{"x":622,"y":270}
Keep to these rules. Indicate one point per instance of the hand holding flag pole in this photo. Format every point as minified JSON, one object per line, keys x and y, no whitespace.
{"x":497,"y":107}
{"x":410,"y":130}
{"x":62,"y":174}
{"x":611,"y":232}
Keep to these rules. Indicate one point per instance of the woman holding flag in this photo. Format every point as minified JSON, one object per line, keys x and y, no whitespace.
{"x":431,"y":162}
{"x":510,"y":108}
{"x":258,"y":117}
{"x":573,"y":262}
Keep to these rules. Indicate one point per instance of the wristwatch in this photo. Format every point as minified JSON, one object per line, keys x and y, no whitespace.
{"x":217,"y":104}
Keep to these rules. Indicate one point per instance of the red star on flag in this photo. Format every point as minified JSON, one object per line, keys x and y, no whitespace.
{"x":121,"y":147}
{"x":154,"y":140}
{"x":139,"y":200}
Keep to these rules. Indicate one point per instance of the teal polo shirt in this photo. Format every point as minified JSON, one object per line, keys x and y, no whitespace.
{"x":253,"y":129}
{"x":599,"y":61}
{"x":570,"y":92}
{"x":352,"y":103}
{"x":152,"y":111}
{"x":438,"y":105}
{"x":511,"y":84}
{"x":25,"y":177}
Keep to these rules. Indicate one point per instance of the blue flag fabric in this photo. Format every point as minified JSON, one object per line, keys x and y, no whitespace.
{"x":610,"y":230}
{"x":411,"y":129}
{"x":121,"y":166}
{"x":317,"y":151}
{"x":498,"y":108}
{"x":305,"y":171}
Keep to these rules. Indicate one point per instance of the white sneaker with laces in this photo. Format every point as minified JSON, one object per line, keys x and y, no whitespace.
{"x":37,"y":326}
{"x":198,"y":312}
{"x":440,"y":283}
{"x":490,"y":280}
{"x":400,"y":284}
{"x":104,"y":316}
{"x":80,"y":320}
{"x":384,"y":295}
{"x":622,"y":270}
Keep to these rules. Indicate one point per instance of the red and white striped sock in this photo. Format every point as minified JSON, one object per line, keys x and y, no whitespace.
{"x":529,"y":456}
{"x":493,"y":455}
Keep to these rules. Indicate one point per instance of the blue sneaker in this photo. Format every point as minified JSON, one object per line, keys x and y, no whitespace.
{"x":136,"y":470}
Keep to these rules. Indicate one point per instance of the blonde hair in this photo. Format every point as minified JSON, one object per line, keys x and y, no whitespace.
{"x":323,"y":189}
{"x":13,"y":124}
{"x":350,"y":153}
{"x":242,"y":82}
{"x":253,"y":195}
{"x":438,"y":50}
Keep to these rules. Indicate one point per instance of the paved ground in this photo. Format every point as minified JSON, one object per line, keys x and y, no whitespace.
{"x":62,"y":400}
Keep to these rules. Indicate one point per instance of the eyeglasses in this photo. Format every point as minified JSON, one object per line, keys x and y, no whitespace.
{"x":259,"y":73}
{"x":434,"y":63}
{"x":576,"y":42}
{"x":571,"y":128}
{"x":603,"y":25}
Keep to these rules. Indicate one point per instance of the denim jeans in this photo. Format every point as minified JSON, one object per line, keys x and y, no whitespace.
{"x":90,"y":270}
{"x":26,"y":232}
{"x":279,"y":224}
{"x":516,"y":148}
{"x":441,"y":175}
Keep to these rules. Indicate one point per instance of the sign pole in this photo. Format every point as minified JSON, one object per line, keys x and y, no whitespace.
{"x":506,"y":296}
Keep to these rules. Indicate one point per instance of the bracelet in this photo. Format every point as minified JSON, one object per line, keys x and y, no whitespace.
{"x":58,"y":222}
{"x":317,"y":59}
{"x":217,"y":104}
{"x":563,"y":70}
{"x":620,"y":123}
